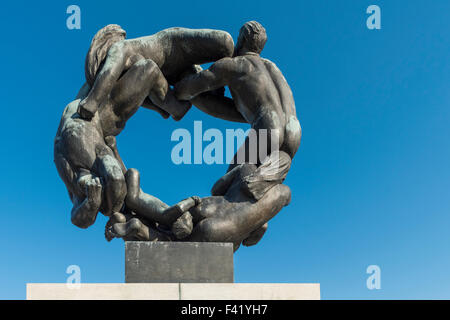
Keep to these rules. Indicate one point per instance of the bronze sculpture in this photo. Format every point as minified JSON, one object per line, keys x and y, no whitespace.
{"x":121,"y":76}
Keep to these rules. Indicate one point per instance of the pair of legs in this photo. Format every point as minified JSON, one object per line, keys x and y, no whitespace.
{"x":143,"y":84}
{"x":142,"y":80}
{"x":148,"y":208}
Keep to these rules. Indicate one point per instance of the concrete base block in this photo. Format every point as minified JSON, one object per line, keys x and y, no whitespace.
{"x":249,"y":291}
{"x":102,"y":291}
{"x":174,"y":291}
{"x":175,"y":262}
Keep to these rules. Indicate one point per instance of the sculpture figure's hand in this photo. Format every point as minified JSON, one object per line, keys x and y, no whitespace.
{"x":94,"y":192}
{"x":87,"y":109}
{"x":183,"y":226}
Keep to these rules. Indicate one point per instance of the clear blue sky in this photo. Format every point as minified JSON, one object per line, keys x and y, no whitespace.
{"x":370,"y":183}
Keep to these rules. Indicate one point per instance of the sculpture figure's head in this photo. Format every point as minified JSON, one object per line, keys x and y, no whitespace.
{"x":252,"y":38}
{"x":98,"y":50}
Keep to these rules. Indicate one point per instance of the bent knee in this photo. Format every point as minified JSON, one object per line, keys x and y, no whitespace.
{"x":117,"y":180}
{"x":82,"y":223}
{"x":116,"y":189}
{"x":285,"y":193}
{"x":135,"y":224}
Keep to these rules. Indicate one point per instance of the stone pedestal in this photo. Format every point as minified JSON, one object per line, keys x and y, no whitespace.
{"x":175,"y":262}
{"x":176,"y":271}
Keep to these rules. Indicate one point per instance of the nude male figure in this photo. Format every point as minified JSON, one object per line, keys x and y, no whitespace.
{"x":261,"y":95}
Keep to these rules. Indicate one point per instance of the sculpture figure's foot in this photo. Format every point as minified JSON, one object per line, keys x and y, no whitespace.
{"x":183,"y":226}
{"x":116,"y":218}
{"x":87,"y":109}
{"x":255,"y":236}
{"x":125,"y":229}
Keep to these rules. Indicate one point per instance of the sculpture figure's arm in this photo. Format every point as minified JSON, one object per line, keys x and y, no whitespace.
{"x":195,"y":88}
{"x":215,"y":77}
{"x":218,"y":106}
{"x":148,"y":104}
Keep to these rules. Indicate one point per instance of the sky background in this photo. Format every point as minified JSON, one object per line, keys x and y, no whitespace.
{"x":370,"y":183}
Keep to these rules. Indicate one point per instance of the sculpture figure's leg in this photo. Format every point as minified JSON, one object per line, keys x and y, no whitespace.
{"x":66,"y":172}
{"x":183,"y":226}
{"x":236,"y":221}
{"x":85,"y":192}
{"x":140,"y":202}
{"x":105,"y":80}
{"x":112,"y":143}
{"x":255,"y":236}
{"x":133,"y":229}
{"x":134,"y":86}
{"x":145,"y":80}
{"x":115,"y":188}
{"x":151,"y":207}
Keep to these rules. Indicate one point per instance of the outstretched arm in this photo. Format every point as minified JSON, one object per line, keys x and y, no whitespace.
{"x":213,"y":78}
{"x":148,"y":104}
{"x":218,"y":106}
{"x":195,"y":88}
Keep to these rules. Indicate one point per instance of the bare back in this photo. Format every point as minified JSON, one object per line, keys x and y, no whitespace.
{"x":264,"y":98}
